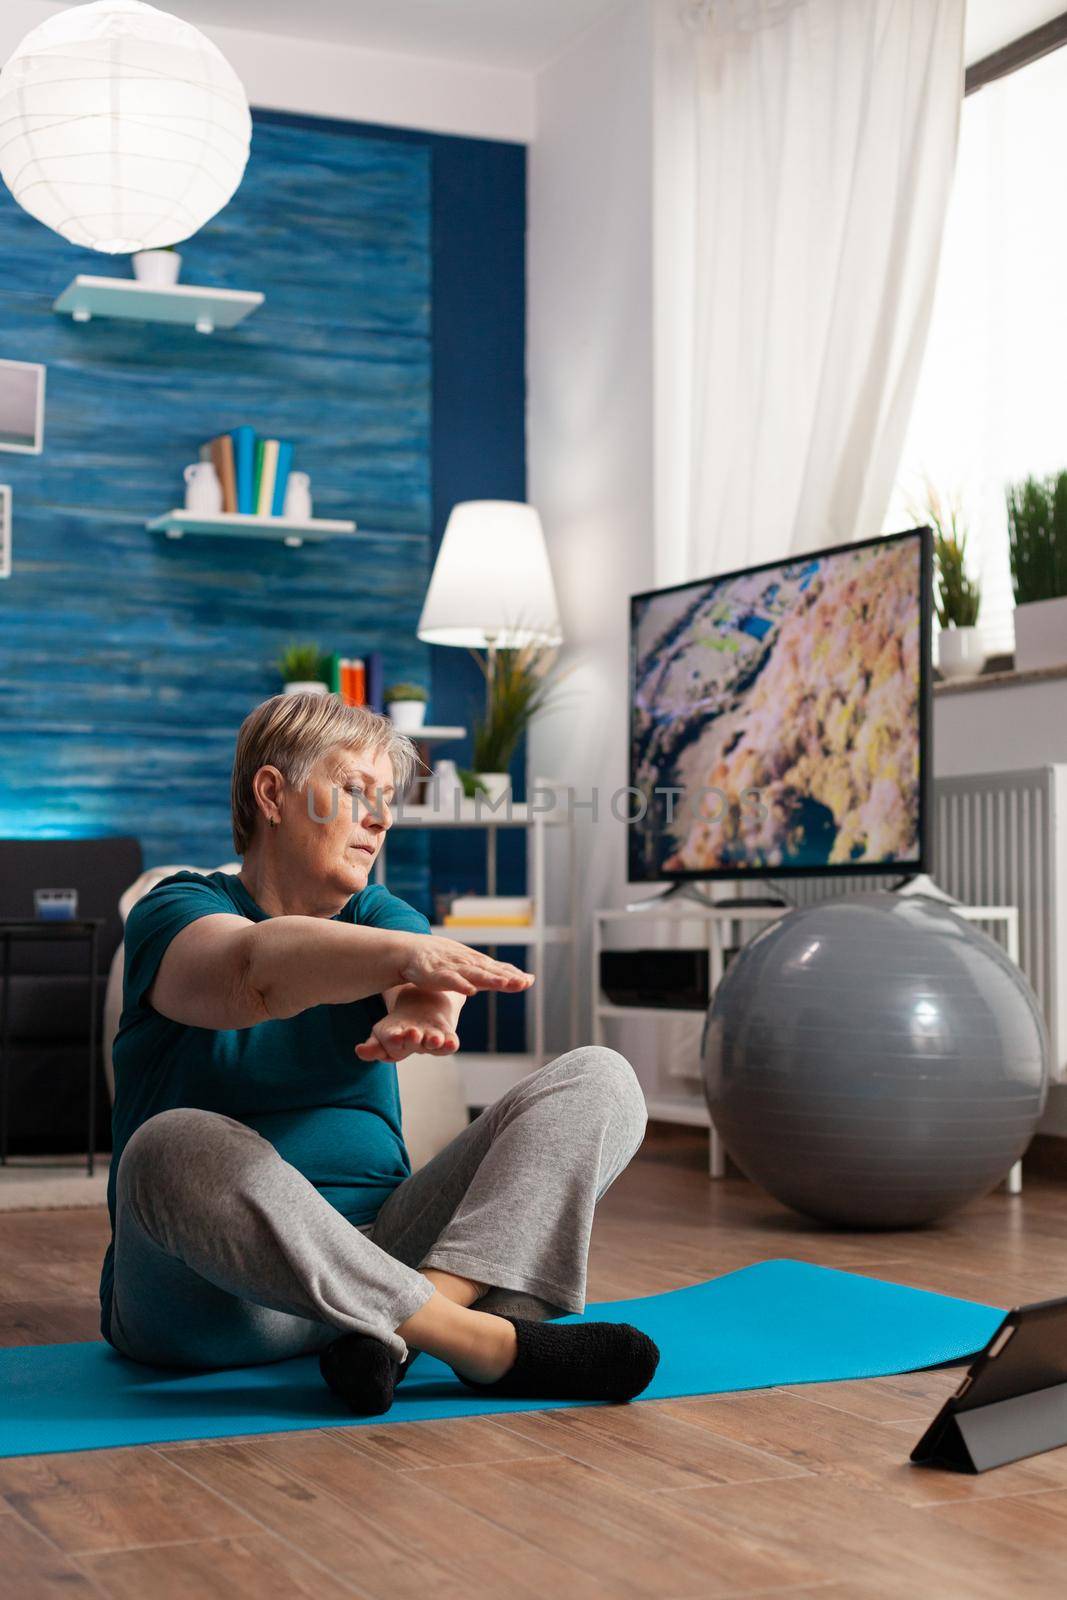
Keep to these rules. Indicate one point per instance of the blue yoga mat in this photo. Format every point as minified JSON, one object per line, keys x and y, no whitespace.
{"x":777,"y":1322}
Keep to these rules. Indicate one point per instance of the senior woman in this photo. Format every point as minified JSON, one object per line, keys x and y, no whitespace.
{"x":261,"y":1197}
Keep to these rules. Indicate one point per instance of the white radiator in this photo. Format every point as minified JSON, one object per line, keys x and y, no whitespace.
{"x":1000,"y":838}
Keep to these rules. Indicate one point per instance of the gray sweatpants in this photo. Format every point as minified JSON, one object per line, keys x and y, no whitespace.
{"x":226,"y":1255}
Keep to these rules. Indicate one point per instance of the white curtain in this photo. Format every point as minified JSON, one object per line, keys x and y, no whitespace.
{"x":990,"y":405}
{"x":804,"y":160}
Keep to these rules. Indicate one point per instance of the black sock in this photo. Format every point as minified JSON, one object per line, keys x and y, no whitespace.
{"x":360,"y":1370}
{"x":575,"y":1361}
{"x":501,"y":1303}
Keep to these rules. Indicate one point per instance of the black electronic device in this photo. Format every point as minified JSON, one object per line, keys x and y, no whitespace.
{"x":1012,"y":1402}
{"x":779,"y":718}
{"x":672,"y":979}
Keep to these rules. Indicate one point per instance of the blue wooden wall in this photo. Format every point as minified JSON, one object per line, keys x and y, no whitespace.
{"x":479,"y":387}
{"x":127,"y":661}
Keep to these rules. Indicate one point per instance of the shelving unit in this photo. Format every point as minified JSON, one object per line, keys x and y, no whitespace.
{"x":481,"y":935}
{"x":232,"y":524}
{"x":722,"y":930}
{"x":422,"y":738}
{"x":488,"y":1074}
{"x":192,"y":305}
{"x":478,"y":814}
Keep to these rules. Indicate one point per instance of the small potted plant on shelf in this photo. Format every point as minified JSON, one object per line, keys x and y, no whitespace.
{"x":957,"y":597}
{"x":1037,"y":540}
{"x":517,"y":688}
{"x":158,"y":267}
{"x":405,"y":705}
{"x":303,"y":669}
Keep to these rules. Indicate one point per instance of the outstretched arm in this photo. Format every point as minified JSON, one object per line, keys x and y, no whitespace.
{"x":223,"y":971}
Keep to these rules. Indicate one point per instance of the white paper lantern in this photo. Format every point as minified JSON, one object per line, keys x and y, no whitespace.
{"x":121,"y":127}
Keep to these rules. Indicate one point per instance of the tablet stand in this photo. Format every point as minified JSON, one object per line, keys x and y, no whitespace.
{"x":992,"y":1435}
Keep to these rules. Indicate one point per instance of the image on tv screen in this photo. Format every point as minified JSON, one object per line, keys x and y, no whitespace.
{"x":775,"y":719}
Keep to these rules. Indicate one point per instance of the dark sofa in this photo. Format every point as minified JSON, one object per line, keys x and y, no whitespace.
{"x":48,"y":1063}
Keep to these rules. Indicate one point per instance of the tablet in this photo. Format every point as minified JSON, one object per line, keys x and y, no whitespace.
{"x":1012,"y":1401}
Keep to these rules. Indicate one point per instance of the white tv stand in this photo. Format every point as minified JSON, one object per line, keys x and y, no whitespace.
{"x":724,"y":928}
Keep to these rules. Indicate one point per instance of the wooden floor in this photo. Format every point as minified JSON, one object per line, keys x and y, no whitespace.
{"x":790,"y":1492}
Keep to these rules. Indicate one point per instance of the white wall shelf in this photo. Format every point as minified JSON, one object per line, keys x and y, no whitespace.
{"x":232,"y":524}
{"x":421,"y":786}
{"x":196,"y":307}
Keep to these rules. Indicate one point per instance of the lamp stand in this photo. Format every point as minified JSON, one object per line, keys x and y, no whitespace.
{"x":490,"y":845}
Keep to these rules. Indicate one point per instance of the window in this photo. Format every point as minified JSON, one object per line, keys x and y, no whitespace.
{"x":991,"y":405}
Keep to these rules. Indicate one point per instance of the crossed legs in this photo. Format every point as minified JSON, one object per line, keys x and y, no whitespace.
{"x":225,"y":1255}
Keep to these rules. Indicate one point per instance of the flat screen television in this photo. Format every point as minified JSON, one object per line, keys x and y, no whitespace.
{"x":780,"y":718}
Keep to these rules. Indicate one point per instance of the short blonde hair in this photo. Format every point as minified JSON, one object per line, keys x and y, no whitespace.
{"x":291,"y":732}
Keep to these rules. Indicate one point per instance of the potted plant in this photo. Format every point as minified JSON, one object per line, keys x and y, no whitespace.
{"x":958,"y":599}
{"x":405,"y":705}
{"x":159,"y":267}
{"x":303,"y":669}
{"x":517,"y":688}
{"x":1037,"y":540}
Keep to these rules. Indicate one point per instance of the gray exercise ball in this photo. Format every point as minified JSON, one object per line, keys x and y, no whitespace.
{"x":875,"y":1061}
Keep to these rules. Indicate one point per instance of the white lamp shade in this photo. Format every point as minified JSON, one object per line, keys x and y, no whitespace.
{"x":121,"y":127}
{"x":491,"y":583}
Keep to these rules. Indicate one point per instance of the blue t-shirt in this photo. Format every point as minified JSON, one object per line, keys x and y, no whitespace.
{"x":296,"y":1080}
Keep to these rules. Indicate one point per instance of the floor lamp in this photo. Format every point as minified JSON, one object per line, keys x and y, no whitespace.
{"x":491,"y":589}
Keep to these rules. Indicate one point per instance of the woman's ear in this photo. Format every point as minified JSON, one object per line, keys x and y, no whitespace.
{"x":269,"y":786}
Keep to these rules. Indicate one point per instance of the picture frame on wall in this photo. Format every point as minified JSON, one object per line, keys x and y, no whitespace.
{"x":22,"y":407}
{"x":5,"y":531}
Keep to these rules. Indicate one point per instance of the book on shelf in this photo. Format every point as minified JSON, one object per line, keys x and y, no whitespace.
{"x":281,"y":476}
{"x":353,"y":688}
{"x":257,"y":474}
{"x":375,"y":680}
{"x":244,"y":453}
{"x":452,"y":921}
{"x":222,"y":459}
{"x":490,"y":911}
{"x":266,"y":475}
{"x":254,"y":473}
{"x":354,"y":677}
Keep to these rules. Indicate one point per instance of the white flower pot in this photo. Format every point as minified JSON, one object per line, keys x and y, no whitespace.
{"x":1041,"y":634}
{"x":304,"y":686}
{"x":497,"y":785}
{"x":407,"y":716}
{"x":160,"y":268}
{"x":960,"y":652}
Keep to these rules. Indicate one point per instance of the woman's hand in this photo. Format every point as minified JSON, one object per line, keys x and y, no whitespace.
{"x":420,"y":1023}
{"x":437,"y":963}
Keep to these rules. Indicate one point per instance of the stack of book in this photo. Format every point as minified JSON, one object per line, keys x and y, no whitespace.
{"x":359,"y":680}
{"x":253,"y":472}
{"x":490,"y":911}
